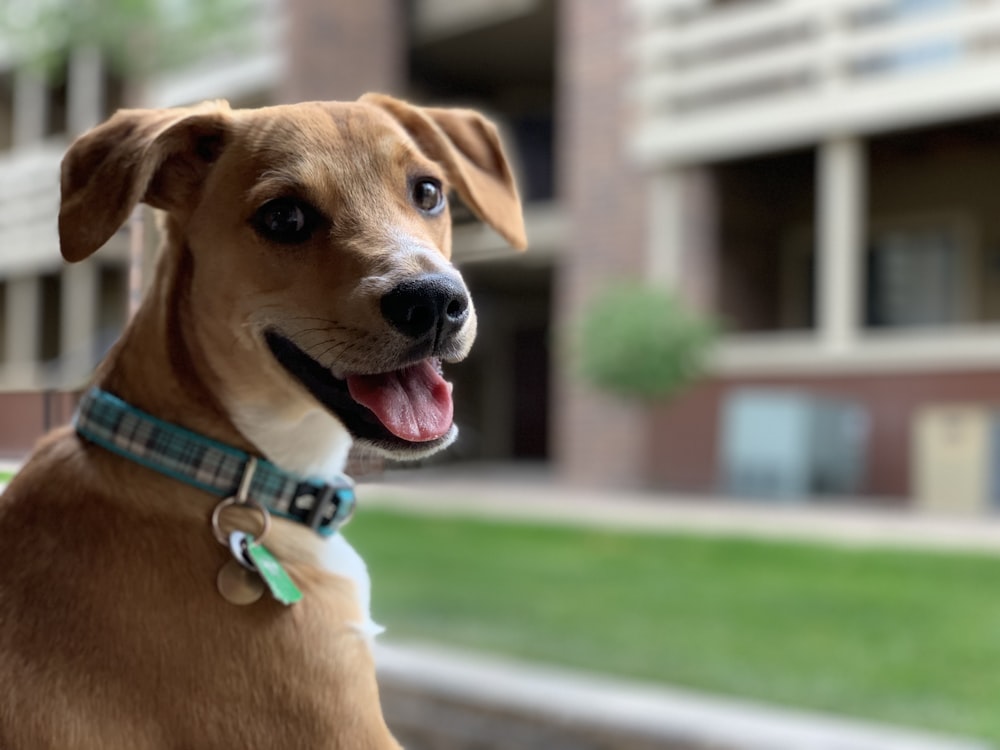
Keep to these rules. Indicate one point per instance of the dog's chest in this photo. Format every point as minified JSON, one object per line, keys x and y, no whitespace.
{"x":341,"y":559}
{"x":311,"y":443}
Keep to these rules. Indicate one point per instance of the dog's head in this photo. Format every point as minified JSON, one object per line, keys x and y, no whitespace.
{"x":313,"y":245}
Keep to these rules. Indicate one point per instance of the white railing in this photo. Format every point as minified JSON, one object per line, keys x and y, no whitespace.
{"x":239,"y":63}
{"x":717,"y":81}
{"x":29,"y":206}
{"x":437,"y":19}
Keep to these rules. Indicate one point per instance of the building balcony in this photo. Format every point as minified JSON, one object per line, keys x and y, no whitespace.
{"x":545,"y":224}
{"x":716,"y":81}
{"x":433,"y":20}
{"x":29,"y":206}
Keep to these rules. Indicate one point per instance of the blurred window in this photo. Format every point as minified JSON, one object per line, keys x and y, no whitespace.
{"x":6,"y":110}
{"x":3,"y":321}
{"x":933,"y":52}
{"x":112,"y":290}
{"x":930,"y":53}
{"x":51,"y":315}
{"x":766,"y":257}
{"x":534,"y":137}
{"x":57,"y":106}
{"x":114,"y":91}
{"x":797,"y":259}
{"x":915,"y":277}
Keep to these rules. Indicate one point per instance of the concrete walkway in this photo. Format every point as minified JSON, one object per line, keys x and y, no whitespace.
{"x":651,"y":715}
{"x":534,"y":497}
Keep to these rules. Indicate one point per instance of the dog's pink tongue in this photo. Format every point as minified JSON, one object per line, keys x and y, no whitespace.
{"x":413,"y":403}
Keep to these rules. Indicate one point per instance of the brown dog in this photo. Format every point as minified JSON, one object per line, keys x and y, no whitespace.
{"x":303,"y":298}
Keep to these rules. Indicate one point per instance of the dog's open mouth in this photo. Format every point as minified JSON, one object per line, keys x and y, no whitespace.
{"x":410,"y":407}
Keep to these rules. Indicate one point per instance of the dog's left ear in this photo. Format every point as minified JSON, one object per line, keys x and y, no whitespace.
{"x":157,"y":156}
{"x":467,"y":145}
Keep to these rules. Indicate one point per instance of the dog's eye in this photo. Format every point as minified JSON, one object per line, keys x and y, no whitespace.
{"x":285,"y":220}
{"x":428,"y":196}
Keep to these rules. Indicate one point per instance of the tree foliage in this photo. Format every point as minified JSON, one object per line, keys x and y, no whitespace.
{"x":639,"y":341}
{"x":136,"y":37}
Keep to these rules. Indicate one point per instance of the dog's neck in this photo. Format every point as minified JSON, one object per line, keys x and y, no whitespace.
{"x":160,"y":368}
{"x":157,"y":368}
{"x":309,"y":442}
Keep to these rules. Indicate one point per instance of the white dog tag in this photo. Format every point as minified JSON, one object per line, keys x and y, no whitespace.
{"x":237,"y":581}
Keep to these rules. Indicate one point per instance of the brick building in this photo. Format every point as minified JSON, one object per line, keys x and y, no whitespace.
{"x":57,"y":320}
{"x":815,"y":175}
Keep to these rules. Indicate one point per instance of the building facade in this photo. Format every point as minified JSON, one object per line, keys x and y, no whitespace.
{"x":820,"y":179}
{"x":56,"y":321}
{"x":817,"y":176}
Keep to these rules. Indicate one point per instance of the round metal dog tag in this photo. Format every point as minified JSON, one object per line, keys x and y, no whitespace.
{"x":239,"y":585}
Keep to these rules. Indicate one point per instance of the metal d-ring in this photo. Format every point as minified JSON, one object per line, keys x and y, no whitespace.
{"x":221,"y":536}
{"x":241,"y":499}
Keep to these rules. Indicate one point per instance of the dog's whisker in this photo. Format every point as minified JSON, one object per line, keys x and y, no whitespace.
{"x":333,"y":324}
{"x":328,"y":351}
{"x":319,"y":344}
{"x":325,"y":335}
{"x":351,"y":348}
{"x":324,"y":329}
{"x":311,"y":351}
{"x":313,"y":317}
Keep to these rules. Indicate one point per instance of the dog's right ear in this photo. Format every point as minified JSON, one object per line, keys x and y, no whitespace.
{"x":468,"y":146}
{"x":156,"y":156}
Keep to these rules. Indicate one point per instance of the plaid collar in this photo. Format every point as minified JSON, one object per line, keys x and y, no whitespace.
{"x":209,"y":465}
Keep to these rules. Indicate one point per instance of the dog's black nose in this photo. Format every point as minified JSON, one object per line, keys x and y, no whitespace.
{"x":433,"y":305}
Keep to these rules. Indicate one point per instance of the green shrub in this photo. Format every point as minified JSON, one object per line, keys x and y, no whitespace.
{"x":639,"y":341}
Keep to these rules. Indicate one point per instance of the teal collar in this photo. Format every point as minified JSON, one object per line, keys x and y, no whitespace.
{"x":217,"y":468}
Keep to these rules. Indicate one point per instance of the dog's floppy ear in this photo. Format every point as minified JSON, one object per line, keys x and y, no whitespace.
{"x":467,"y":145}
{"x":159,"y":156}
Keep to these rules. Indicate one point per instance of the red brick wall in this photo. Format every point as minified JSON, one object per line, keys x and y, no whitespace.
{"x":340,"y":49}
{"x":682,"y":452}
{"x":596,"y":440}
{"x":26,"y":415}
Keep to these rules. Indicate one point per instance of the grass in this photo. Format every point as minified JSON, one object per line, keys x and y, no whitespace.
{"x":904,"y":637}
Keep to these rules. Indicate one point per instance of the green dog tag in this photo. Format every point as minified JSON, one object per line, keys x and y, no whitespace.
{"x":282,"y":587}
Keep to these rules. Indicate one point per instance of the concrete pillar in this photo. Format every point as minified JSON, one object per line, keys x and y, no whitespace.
{"x":682,"y":244}
{"x":77,"y":329}
{"x":665,"y":209}
{"x":30,"y":108}
{"x":840,"y":242}
{"x":701,"y":239}
{"x":22,"y":319}
{"x":85,"y":90}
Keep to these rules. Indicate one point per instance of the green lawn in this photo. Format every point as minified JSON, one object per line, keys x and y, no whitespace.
{"x":903,"y":637}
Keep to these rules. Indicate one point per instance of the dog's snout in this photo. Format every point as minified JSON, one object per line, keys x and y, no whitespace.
{"x":431,"y":305}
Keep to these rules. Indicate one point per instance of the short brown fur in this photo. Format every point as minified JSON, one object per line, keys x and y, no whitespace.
{"x":112,"y":632}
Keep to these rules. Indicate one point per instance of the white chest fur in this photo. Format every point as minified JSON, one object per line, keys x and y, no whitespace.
{"x":341,"y":559}
{"x":312,"y":443}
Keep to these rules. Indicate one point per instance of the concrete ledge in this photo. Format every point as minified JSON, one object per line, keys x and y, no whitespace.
{"x":664,"y":716}
{"x":846,"y":521}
